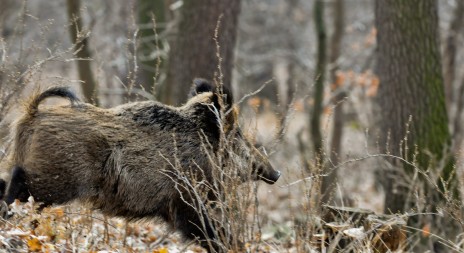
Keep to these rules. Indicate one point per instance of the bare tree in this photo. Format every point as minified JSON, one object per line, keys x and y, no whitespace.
{"x":89,"y":85}
{"x":151,"y":18}
{"x":194,"y":51}
{"x":316,"y":113}
{"x":340,"y":94}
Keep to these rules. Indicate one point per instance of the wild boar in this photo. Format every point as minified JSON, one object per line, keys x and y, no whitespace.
{"x":125,"y":161}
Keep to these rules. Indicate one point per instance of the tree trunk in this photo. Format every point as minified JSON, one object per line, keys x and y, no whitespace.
{"x":315,"y":117}
{"x":337,"y":130}
{"x":411,"y":97}
{"x":194,"y":52}
{"x":450,"y":52}
{"x":450,"y":76}
{"x":89,"y":86}
{"x":286,"y":99}
{"x":149,"y":48}
{"x":458,"y":134}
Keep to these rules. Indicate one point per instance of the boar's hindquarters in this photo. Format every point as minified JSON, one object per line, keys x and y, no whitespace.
{"x":62,"y":159}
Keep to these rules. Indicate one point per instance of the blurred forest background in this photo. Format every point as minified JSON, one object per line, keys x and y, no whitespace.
{"x":358,"y":102}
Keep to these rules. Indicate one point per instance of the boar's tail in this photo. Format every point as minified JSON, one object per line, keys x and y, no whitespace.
{"x":57,"y":91}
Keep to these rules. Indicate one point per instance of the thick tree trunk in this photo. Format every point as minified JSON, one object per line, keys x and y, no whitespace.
{"x":411,"y":83}
{"x":194,"y":52}
{"x":411,"y":97}
{"x":89,"y":86}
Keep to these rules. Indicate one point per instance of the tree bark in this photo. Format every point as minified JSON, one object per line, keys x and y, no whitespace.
{"x":412,"y":98}
{"x":458,"y":131}
{"x":286,"y":99}
{"x":319,"y":78}
{"x":315,"y":117}
{"x":89,"y":86}
{"x":411,"y":83}
{"x":338,"y":116}
{"x":194,"y":52}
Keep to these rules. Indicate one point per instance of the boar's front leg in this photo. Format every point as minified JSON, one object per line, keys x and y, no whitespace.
{"x":196,"y":225}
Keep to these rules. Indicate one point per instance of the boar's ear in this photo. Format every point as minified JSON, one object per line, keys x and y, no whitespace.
{"x":201,"y":86}
{"x":226,"y":104}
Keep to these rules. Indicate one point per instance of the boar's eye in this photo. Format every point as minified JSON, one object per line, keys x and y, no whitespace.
{"x":258,"y":170}
{"x":239,"y":133}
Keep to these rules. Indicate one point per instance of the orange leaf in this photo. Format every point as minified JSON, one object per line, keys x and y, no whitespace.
{"x":426,"y":230}
{"x":152,"y":238}
{"x":58,"y":211}
{"x":351,"y":75}
{"x":298,"y":106}
{"x":254,"y":102}
{"x":370,"y":38}
{"x":161,"y":250}
{"x":361,"y":79}
{"x":339,"y":79}
{"x":327,"y":110}
{"x":373,"y":88}
{"x":34,"y":244}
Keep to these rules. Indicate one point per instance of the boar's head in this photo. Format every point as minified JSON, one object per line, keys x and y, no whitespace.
{"x":239,"y":150}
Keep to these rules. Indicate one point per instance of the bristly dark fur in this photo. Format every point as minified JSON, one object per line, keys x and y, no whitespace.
{"x":130,"y":160}
{"x":167,"y":120}
{"x":2,"y":188}
{"x":20,"y":192}
{"x":159,"y":116}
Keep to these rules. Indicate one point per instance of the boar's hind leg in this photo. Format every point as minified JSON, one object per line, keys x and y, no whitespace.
{"x":2,"y":188}
{"x":3,"y":205}
{"x":18,"y":188}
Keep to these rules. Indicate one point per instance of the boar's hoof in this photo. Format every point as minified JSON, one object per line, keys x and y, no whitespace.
{"x":3,"y":210}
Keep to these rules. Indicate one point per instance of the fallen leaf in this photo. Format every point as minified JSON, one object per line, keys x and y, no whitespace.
{"x":426,"y":230}
{"x":357,"y":233}
{"x":58,"y":211}
{"x":254,"y":102}
{"x":161,"y":250}
{"x":339,"y":79}
{"x":34,"y":244}
{"x":373,"y":88}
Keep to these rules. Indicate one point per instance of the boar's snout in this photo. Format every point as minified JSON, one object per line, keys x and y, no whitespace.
{"x":269,"y":175}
